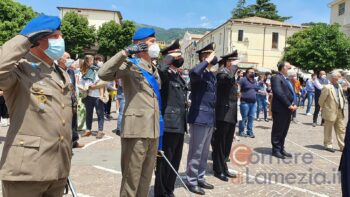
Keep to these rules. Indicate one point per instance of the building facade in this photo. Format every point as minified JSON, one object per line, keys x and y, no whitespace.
{"x":96,"y":17}
{"x":340,"y":13}
{"x":260,"y":42}
{"x":188,"y":47}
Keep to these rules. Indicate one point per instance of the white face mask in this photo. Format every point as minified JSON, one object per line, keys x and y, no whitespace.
{"x":99,"y":64}
{"x":69,"y":63}
{"x":153,"y":51}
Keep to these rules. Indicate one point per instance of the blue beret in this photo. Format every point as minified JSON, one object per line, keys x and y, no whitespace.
{"x":42,"y":23}
{"x":143,"y":33}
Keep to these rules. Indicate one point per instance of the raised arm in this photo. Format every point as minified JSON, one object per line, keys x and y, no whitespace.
{"x":10,"y":53}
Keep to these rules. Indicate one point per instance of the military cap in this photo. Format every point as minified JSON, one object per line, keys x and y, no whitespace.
{"x":231,"y":56}
{"x":174,"y":47}
{"x":42,"y":23}
{"x":143,"y":33}
{"x":207,"y":49}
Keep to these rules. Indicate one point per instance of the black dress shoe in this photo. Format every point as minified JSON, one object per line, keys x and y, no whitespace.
{"x":330,"y":149}
{"x":278,"y":155}
{"x":286,"y":154}
{"x":221,"y":176}
{"x":196,"y":189}
{"x":171,"y":195}
{"x":231,"y":175}
{"x":205,"y":185}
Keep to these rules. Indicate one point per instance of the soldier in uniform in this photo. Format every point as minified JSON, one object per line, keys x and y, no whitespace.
{"x":141,"y":118}
{"x":36,"y":158}
{"x":201,"y":118}
{"x":174,"y":94}
{"x":226,"y":115}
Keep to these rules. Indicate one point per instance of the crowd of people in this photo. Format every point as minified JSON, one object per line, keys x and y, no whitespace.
{"x":158,"y":102}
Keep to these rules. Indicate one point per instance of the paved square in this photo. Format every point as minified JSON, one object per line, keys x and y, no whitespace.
{"x":311,"y":172}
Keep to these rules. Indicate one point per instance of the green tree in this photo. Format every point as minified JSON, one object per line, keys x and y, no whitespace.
{"x":262,"y":8}
{"x":113,"y":37}
{"x":241,"y":10}
{"x":77,"y":33}
{"x":13,"y":17}
{"x":319,"y":47}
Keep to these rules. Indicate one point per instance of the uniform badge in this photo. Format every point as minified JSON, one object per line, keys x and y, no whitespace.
{"x":42,"y":99}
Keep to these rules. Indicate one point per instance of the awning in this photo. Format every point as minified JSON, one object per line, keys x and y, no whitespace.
{"x":263,"y":70}
{"x":246,"y":65}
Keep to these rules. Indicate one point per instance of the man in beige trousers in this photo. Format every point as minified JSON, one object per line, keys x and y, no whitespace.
{"x":332,"y":103}
{"x":140,"y":123}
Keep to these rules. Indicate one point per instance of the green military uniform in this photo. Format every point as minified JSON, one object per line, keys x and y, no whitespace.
{"x":140,"y":123}
{"x":37,"y":152}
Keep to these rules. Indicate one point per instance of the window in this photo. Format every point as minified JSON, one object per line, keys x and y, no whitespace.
{"x":275,"y":40}
{"x":240,"y":35}
{"x":341,"y":9}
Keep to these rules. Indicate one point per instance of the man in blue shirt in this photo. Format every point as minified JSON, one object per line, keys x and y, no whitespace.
{"x":248,"y":86}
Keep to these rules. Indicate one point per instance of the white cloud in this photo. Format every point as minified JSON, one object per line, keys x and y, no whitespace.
{"x":205,"y":25}
{"x":205,"y":22}
{"x":114,"y":7}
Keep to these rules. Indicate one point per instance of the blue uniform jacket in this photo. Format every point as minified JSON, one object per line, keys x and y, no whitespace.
{"x":203,"y":89}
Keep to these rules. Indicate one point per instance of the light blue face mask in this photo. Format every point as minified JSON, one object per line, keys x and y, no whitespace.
{"x":69,"y":63}
{"x":56,"y":48}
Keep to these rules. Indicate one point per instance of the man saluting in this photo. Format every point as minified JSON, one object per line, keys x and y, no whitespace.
{"x":38,"y":148}
{"x":141,"y":121}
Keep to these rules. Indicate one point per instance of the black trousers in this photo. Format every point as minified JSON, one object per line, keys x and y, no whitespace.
{"x":108,"y":106}
{"x":317,"y":106}
{"x":165,"y":177}
{"x":280,"y":126}
{"x":221,"y":145}
{"x":3,"y":109}
{"x":75,"y":135}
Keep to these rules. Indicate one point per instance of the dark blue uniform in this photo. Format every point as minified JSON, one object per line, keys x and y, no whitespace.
{"x":203,"y":89}
{"x":202,"y":121}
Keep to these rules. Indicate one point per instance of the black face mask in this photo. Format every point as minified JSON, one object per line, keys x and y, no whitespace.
{"x":214,"y":61}
{"x":178,"y":62}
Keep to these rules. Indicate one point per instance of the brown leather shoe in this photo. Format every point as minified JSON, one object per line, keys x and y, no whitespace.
{"x":87,"y":134}
{"x":100,"y":135}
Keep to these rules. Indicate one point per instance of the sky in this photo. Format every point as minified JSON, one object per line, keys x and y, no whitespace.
{"x":187,"y":13}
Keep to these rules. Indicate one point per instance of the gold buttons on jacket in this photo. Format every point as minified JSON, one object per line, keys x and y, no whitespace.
{"x":62,"y":105}
{"x":21,"y":143}
{"x":63,"y":122}
{"x":61,"y":138}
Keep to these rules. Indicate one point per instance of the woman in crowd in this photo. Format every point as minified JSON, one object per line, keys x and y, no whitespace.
{"x":262,"y":97}
{"x":94,"y":91}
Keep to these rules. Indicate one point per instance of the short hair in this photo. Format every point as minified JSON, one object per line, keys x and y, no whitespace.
{"x":99,"y":57}
{"x":280,"y":65}
{"x":335,"y":74}
{"x":250,"y":69}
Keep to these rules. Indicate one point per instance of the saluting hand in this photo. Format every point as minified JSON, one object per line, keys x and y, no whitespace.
{"x":210,"y":57}
{"x":136,"y":48}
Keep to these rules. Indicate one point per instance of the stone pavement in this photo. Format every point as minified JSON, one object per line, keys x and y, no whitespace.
{"x":312,"y":171}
